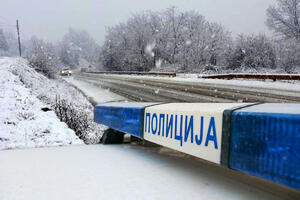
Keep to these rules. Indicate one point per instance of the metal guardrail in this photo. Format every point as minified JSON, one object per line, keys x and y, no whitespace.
{"x":273,"y":77}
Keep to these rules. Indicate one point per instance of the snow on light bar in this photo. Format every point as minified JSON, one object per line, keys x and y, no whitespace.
{"x":262,"y":140}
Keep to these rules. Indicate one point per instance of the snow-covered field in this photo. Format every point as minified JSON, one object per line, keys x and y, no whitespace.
{"x":23,"y":94}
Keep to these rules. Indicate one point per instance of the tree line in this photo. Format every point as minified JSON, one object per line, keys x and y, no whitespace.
{"x":171,"y":40}
{"x":186,"y":41}
{"x":76,"y":49}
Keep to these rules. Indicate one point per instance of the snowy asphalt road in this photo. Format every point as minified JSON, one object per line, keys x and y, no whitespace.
{"x":116,"y":172}
{"x":163,"y":89}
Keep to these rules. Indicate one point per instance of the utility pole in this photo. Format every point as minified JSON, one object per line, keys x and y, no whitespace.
{"x":20,"y":52}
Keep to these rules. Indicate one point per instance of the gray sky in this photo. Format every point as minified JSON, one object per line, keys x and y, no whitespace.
{"x":50,"y":19}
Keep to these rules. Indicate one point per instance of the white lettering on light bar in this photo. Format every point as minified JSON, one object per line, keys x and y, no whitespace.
{"x":193,"y":128}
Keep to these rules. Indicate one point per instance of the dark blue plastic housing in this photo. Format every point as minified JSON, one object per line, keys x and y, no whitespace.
{"x":265,"y":142}
{"x":125,"y":117}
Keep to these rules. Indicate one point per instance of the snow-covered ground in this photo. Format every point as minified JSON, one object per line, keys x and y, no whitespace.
{"x":22,"y":122}
{"x":93,"y":92}
{"x":96,"y":171}
{"x":268,"y":84}
{"x":121,"y":172}
{"x":23,"y":93}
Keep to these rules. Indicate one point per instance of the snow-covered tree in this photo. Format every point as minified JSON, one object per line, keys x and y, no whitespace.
{"x":171,"y":37}
{"x":284,"y":19}
{"x":42,"y":57}
{"x":3,"y":43}
{"x":130,"y":46}
{"x":13,"y":46}
{"x":76,"y":45}
{"x":288,"y":55}
{"x":112,"y":51}
{"x":175,"y":26}
{"x":254,"y":52}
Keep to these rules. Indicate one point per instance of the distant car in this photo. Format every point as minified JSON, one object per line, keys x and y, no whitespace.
{"x":66,"y":72}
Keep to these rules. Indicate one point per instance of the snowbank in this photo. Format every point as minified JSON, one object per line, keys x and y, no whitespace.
{"x":23,"y":123}
{"x":23,"y":92}
{"x":93,"y":92}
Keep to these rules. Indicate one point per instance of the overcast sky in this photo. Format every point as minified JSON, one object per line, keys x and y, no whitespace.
{"x":50,"y":19}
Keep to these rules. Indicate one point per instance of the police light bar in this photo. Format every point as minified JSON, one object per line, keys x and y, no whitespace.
{"x":126,"y":117}
{"x":265,"y":142}
{"x":262,"y":140}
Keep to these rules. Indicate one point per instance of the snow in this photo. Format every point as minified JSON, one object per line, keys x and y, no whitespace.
{"x":23,"y":92}
{"x":149,"y":49}
{"x":95,"y":93}
{"x":293,"y":86}
{"x":96,"y":171}
{"x":121,"y":172}
{"x":274,"y":108}
{"x":290,"y":86}
{"x":158,"y":63}
{"x":188,"y":42}
{"x":22,"y":122}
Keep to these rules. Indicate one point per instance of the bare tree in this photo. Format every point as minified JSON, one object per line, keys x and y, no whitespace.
{"x":284,"y":19}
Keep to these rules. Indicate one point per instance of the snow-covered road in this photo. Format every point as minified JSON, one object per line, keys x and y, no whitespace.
{"x":163,"y":89}
{"x":116,"y":172}
{"x":93,"y":92}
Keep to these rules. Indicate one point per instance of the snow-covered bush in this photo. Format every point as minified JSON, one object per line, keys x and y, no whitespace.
{"x":76,"y":119}
{"x":47,"y":91}
{"x":26,"y":121}
{"x":41,"y":63}
{"x":253,"y":52}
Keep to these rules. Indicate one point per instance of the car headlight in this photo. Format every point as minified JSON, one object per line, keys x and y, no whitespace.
{"x":62,"y":72}
{"x":70,"y":71}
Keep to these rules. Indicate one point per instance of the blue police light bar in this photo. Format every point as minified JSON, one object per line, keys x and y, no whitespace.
{"x":261,"y":140}
{"x":126,"y":117}
{"x":265,"y":142}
